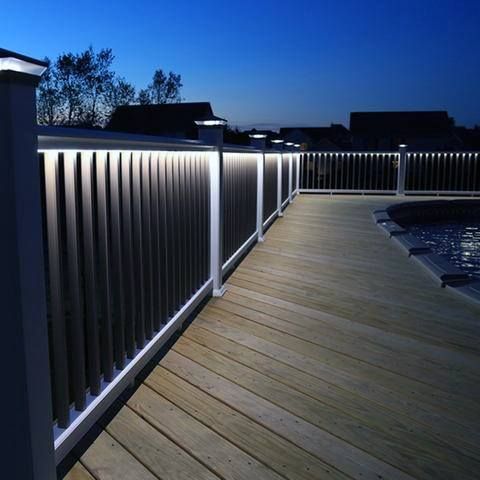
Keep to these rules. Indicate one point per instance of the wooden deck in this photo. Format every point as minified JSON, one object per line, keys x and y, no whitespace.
{"x":330,"y":356}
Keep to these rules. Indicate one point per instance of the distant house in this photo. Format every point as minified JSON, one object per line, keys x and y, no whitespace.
{"x":425,"y":130}
{"x":335,"y":137}
{"x":175,"y":120}
{"x":470,"y":137}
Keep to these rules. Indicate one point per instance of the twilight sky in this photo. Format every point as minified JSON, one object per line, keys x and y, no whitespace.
{"x":277,"y":63}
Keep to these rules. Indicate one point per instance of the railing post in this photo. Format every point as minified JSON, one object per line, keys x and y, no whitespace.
{"x":279,"y":184}
{"x":28,"y":452}
{"x":297,"y":166}
{"x":258,"y":140}
{"x":260,"y":184}
{"x":402,"y":168}
{"x":290,"y":177}
{"x":210,"y":131}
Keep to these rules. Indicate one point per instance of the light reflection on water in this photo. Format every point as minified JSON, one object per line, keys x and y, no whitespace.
{"x":458,"y":242}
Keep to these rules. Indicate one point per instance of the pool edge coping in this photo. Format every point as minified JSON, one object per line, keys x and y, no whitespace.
{"x":444,"y":272}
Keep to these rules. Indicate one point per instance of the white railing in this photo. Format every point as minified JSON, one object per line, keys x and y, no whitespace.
{"x":443,"y":173}
{"x":139,"y":231}
{"x":132,"y":248}
{"x":402,"y":172}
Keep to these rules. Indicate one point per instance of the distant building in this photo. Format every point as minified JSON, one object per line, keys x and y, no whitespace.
{"x":470,"y":137}
{"x":167,"y":120}
{"x":419,"y":130}
{"x":335,"y":137}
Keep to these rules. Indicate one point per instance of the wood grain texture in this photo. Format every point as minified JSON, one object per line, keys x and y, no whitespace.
{"x":332,"y":355}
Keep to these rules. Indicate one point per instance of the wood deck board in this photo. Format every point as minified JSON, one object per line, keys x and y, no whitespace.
{"x":332,"y":355}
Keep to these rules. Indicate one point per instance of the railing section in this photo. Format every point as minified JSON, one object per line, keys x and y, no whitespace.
{"x":349,"y":172}
{"x":240,"y":201}
{"x":443,"y":172}
{"x":414,"y":173}
{"x":127,"y":236}
{"x":270,"y":186}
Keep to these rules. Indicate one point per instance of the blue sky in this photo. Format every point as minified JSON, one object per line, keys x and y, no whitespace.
{"x":276,"y":62}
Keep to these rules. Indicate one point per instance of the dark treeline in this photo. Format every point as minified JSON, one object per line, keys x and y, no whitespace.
{"x":82,"y":89}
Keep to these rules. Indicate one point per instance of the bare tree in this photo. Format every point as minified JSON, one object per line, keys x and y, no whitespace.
{"x":163,"y":89}
{"x":82,"y":89}
{"x":49,"y":99}
{"x":98,"y":78}
{"x":119,"y":93}
{"x":144,"y":97}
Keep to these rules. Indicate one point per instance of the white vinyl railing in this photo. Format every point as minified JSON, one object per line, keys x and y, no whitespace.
{"x":109,"y":242}
{"x":402,"y":172}
{"x":134,"y":226}
{"x":443,"y":173}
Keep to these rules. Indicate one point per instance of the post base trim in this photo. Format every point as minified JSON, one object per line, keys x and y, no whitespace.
{"x":219,"y":292}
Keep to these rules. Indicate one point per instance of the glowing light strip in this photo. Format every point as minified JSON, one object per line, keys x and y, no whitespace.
{"x":16,"y":65}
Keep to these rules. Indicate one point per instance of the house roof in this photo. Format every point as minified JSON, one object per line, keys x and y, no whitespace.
{"x":160,"y":119}
{"x":403,"y":123}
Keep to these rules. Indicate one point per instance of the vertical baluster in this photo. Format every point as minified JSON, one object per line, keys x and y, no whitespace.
{"x":416,"y":177}
{"x":206,"y":210}
{"x":138,"y":249}
{"x":347,"y":158}
{"x":164,"y":253}
{"x":196,"y":252}
{"x":128,"y":284}
{"x":189,"y":230}
{"x":77,"y":327}
{"x":118,"y":294}
{"x":104,"y":280}
{"x":90,"y":273}
{"x":178,"y":230}
{"x":56,"y":286}
{"x":425,"y":160}
{"x":476,"y":173}
{"x":147,"y":243}
{"x":354,"y":171}
{"x":155,"y":243}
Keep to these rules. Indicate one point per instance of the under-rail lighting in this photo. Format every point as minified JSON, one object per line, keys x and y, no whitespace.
{"x":14,"y":62}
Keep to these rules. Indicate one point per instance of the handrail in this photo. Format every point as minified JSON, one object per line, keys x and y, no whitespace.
{"x":61,"y":138}
{"x":66,"y":138}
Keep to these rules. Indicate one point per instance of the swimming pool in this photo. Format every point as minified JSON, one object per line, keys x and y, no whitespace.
{"x":457,"y":242}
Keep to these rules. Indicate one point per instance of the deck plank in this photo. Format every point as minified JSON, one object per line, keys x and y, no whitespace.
{"x":224,"y":458}
{"x":332,"y":355}
{"x":282,"y":456}
{"x":162,"y":456}
{"x":325,"y":446}
{"x":415,"y":460}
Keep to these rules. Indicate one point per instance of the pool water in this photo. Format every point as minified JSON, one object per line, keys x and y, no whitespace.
{"x":459,"y":243}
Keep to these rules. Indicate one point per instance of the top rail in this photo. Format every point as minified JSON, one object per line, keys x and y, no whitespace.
{"x":62,"y":138}
{"x":59,"y":138}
